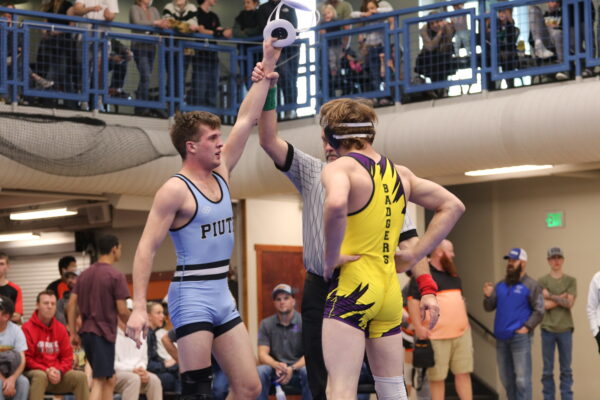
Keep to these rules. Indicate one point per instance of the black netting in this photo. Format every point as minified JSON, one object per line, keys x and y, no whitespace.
{"x":73,"y":146}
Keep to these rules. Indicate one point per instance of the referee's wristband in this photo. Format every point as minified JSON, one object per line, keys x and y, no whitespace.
{"x":271,"y":100}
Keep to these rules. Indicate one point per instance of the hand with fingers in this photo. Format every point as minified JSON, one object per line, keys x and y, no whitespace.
{"x":137,"y":326}
{"x":258,"y":74}
{"x":429,"y":303}
{"x":342,"y":259}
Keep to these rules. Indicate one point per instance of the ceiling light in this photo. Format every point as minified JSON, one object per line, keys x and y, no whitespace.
{"x":13,"y":237}
{"x":507,"y":170}
{"x":40,"y":214}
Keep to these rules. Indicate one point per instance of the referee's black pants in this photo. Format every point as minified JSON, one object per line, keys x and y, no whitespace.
{"x":313,"y":305}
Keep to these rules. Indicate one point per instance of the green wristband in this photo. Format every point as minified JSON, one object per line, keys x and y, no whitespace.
{"x":271,"y":101}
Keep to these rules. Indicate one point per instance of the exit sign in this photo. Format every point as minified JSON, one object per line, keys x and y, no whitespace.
{"x":555,"y":219}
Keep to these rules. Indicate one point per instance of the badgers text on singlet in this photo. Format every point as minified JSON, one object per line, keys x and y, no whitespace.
{"x":217,"y":228}
{"x":388,"y":224}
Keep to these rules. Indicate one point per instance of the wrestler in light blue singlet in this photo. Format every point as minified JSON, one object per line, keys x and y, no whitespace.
{"x":199,"y":297}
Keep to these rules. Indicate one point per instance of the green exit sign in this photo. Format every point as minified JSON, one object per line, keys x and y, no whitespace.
{"x":555,"y":219}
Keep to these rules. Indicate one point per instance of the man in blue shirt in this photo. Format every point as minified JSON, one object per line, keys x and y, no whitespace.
{"x":519,"y":306}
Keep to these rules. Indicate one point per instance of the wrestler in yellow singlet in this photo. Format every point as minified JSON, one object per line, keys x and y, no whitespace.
{"x":366,"y":293}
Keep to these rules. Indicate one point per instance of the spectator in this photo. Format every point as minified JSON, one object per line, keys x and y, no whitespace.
{"x":451,"y":337}
{"x":130,"y":366}
{"x":143,"y":13}
{"x":167,"y":370}
{"x":246,"y":22}
{"x":519,"y":306}
{"x":100,"y":296}
{"x":542,"y":31}
{"x":507,"y":35}
{"x":435,"y":59}
{"x":10,"y":289}
{"x":182,"y":17}
{"x":49,"y":355}
{"x":60,"y":286}
{"x":12,"y":359}
{"x":220,"y":384}
{"x":15,"y":54}
{"x":547,"y":33}
{"x":280,"y":350}
{"x":205,"y":72}
{"x":61,"y":304}
{"x":120,"y":55}
{"x":334,"y":47}
{"x":371,"y":44}
{"x":343,"y":9}
{"x":288,"y":68}
{"x":559,"y":290}
{"x":462,"y":37}
{"x":56,"y":51}
{"x":100,"y":10}
{"x":593,"y":307}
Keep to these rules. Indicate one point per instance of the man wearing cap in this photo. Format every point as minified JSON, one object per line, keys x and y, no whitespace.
{"x":559,"y":291}
{"x":280,"y":345}
{"x":519,"y":306}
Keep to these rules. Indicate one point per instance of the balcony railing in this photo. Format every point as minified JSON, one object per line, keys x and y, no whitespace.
{"x":397,"y":57}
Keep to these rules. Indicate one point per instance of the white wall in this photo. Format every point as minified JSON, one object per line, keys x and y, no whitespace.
{"x":271,"y":221}
{"x":506,"y":214}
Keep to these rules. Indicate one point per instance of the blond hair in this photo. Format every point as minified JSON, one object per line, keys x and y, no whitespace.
{"x":344,"y":110}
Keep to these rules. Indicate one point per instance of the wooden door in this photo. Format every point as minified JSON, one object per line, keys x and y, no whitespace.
{"x":274,"y":265}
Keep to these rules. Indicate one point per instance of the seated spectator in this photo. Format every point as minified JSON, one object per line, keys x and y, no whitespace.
{"x":280,"y":345}
{"x":246,"y":22}
{"x":130,"y":368}
{"x":507,"y":35}
{"x":49,"y":355}
{"x":435,"y":59}
{"x":10,"y":289}
{"x":60,"y":286}
{"x":12,"y":359}
{"x":220,"y":384}
{"x":166,"y":370}
{"x":61,"y":305}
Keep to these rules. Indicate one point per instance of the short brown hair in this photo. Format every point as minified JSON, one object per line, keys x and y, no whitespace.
{"x":345,"y":110}
{"x":186,"y":128}
{"x":4,"y":256}
{"x":44,"y":293}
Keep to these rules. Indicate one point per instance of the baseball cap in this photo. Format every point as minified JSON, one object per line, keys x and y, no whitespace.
{"x":282,"y":288}
{"x":555,"y":251}
{"x":516,"y":254}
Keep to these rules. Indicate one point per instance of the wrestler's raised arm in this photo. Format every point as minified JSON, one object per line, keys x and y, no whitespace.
{"x":249,"y":113}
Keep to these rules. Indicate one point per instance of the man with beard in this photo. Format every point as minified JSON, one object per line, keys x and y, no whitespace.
{"x":280,"y":345}
{"x":451,"y":337}
{"x":519,"y":306}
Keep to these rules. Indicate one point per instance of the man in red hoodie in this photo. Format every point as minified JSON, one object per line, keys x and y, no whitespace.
{"x":49,"y":355}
